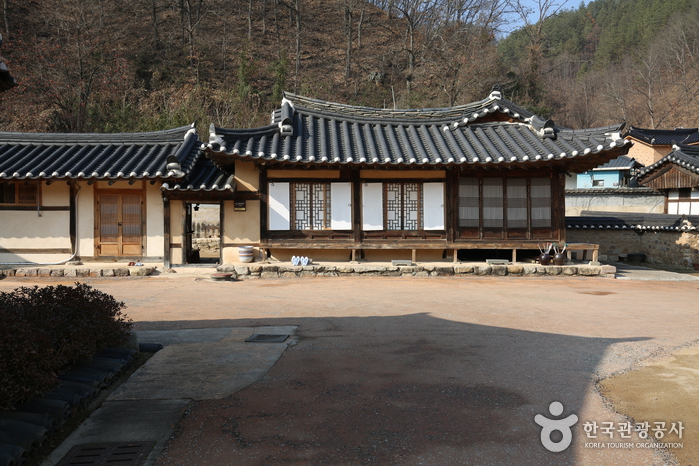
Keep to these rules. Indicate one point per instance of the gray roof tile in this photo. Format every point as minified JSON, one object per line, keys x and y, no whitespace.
{"x":97,"y":156}
{"x":685,"y":156}
{"x":632,"y":221}
{"x":204,"y":176}
{"x":493,"y":131}
{"x":665,"y":137}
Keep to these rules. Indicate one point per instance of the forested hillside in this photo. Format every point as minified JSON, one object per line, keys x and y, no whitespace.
{"x":103,"y":65}
{"x":612,"y":60}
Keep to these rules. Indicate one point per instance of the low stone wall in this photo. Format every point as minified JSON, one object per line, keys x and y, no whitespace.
{"x":673,"y":250}
{"x":258,"y":271}
{"x":206,"y":244}
{"x":78,"y":272}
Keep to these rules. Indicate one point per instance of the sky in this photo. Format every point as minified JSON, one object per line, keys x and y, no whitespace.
{"x":534,"y":5}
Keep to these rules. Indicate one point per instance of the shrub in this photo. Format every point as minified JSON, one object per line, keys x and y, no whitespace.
{"x":44,"y":330}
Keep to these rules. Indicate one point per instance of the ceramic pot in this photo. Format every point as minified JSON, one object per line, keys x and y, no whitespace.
{"x":559,"y":259}
{"x":545,"y":259}
{"x":245,"y":253}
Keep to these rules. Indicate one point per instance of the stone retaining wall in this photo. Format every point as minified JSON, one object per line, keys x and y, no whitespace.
{"x":674,"y":250}
{"x":78,"y":272}
{"x":259,"y":271}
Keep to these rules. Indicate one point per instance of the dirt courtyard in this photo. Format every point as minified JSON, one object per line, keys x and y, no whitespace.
{"x":436,"y":370}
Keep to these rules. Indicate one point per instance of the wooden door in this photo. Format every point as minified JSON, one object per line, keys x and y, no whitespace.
{"x":119,"y":224}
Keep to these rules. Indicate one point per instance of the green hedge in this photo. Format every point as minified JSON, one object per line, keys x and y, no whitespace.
{"x":45,"y":330}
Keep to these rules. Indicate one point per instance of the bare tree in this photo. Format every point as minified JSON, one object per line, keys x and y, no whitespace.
{"x":350,"y":8}
{"x":6,"y":15}
{"x":192,"y":13}
{"x":533,"y":21}
{"x":464,"y":54}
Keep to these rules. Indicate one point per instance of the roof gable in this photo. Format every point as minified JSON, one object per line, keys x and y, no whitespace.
{"x":678,"y":169}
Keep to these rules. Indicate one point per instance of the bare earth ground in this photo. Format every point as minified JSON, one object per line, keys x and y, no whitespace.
{"x":435,"y":370}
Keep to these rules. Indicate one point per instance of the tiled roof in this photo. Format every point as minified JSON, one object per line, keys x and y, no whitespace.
{"x":491,"y":132}
{"x":620,"y":190}
{"x":204,"y":176}
{"x":98,"y":156}
{"x":665,"y":137}
{"x":620,"y":163}
{"x":683,"y":155}
{"x":632,"y":221}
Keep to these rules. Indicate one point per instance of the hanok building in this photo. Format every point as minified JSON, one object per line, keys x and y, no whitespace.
{"x":95,"y":196}
{"x":676,"y":175}
{"x":341,"y":182}
{"x":651,"y":145}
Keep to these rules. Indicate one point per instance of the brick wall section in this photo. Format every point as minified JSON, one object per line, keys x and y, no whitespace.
{"x":664,"y":249}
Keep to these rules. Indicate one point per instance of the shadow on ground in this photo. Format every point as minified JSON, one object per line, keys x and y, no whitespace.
{"x":410,"y":389}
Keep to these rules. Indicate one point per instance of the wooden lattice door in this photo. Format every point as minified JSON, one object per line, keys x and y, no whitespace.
{"x":119,"y":224}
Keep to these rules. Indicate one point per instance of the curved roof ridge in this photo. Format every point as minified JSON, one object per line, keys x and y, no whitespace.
{"x":173,"y":135}
{"x":456,"y":115}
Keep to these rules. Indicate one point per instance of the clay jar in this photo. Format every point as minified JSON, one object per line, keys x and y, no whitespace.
{"x":544,"y":259}
{"x":559,"y":259}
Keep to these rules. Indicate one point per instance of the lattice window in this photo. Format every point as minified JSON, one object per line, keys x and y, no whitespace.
{"x":404,"y":206}
{"x":516,"y":203}
{"x":393,"y":196}
{"x":492,"y":203}
{"x":311,"y":209}
{"x":131,"y":218}
{"x":528,"y":202}
{"x":109,"y":218}
{"x":412,"y":206}
{"x":541,"y":202}
{"x":19,"y":193}
{"x":469,"y":203}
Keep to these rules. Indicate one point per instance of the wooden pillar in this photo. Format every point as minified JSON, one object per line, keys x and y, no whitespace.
{"x":356,"y":208}
{"x":166,"y":232}
{"x":73,"y":226}
{"x":452,"y":205}
{"x":264,"y":203}
{"x":221,"y":220}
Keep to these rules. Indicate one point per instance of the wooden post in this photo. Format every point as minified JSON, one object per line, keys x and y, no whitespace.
{"x":73,"y":226}
{"x":221,"y":219}
{"x":166,"y":232}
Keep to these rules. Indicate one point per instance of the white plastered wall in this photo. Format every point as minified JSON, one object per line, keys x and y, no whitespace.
{"x":38,"y":229}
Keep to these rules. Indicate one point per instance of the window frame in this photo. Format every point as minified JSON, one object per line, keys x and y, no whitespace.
{"x":17,"y":187}
{"x":682,"y":201}
{"x":496,"y":227}
{"x":326,"y":221}
{"x":282,"y":208}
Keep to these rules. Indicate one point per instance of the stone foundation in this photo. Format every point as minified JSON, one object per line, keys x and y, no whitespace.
{"x":260,"y":271}
{"x":78,"y":272}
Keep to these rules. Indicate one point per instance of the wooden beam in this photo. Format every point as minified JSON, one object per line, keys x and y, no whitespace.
{"x":166,"y":232}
